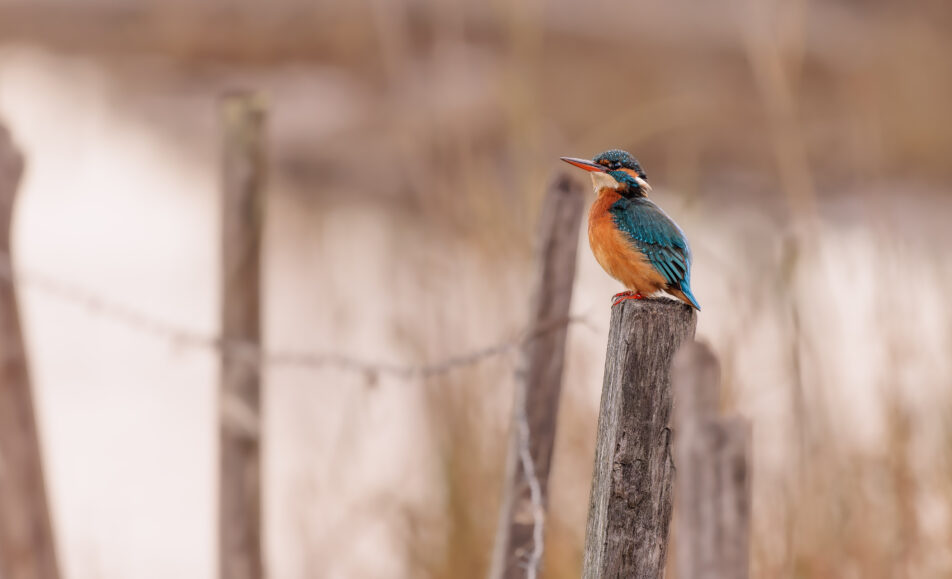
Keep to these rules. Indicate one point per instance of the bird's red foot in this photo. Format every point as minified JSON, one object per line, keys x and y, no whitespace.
{"x":622,"y":296}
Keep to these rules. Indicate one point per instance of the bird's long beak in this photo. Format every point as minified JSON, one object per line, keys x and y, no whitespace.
{"x":584,"y":164}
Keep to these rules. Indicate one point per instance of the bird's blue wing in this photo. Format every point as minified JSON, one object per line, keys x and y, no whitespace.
{"x":659,"y":238}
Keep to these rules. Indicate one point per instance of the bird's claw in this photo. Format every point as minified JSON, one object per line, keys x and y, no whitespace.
{"x":628,"y":295}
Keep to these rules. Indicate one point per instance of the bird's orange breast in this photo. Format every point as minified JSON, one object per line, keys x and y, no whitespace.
{"x":617,"y":255}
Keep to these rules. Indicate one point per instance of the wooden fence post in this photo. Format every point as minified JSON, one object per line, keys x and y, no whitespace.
{"x":630,"y":507}
{"x":712,"y":488}
{"x":240,"y":543}
{"x":518,"y":548}
{"x":27,"y":549}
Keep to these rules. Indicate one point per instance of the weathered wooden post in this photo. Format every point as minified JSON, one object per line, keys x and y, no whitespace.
{"x":240,"y":548}
{"x":712,"y":488}
{"x":518,"y":549}
{"x":631,"y":501}
{"x":27,"y":549}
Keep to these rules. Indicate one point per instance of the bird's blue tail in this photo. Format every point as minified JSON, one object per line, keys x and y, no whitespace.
{"x":686,"y":288}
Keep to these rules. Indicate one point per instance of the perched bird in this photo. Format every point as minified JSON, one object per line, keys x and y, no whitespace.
{"x":632,"y":238}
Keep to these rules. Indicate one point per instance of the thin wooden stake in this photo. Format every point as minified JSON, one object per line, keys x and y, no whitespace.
{"x":27,"y":549}
{"x":630,"y":507}
{"x":519,"y":540}
{"x":713,"y":482}
{"x":240,"y":548}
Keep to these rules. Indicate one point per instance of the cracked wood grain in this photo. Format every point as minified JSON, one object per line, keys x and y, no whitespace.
{"x":631,"y":499}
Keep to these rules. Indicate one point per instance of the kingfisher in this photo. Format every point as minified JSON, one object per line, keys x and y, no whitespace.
{"x":633,"y":239}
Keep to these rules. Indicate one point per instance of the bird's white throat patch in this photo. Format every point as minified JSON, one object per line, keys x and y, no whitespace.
{"x":603,"y":181}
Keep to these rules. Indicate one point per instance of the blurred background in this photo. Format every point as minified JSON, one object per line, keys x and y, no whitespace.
{"x":804,"y":147}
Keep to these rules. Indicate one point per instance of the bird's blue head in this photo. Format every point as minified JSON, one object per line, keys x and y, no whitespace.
{"x":617,"y":170}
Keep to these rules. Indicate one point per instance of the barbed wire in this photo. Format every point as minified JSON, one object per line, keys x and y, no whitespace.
{"x":247,"y":352}
{"x":534,"y":558}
